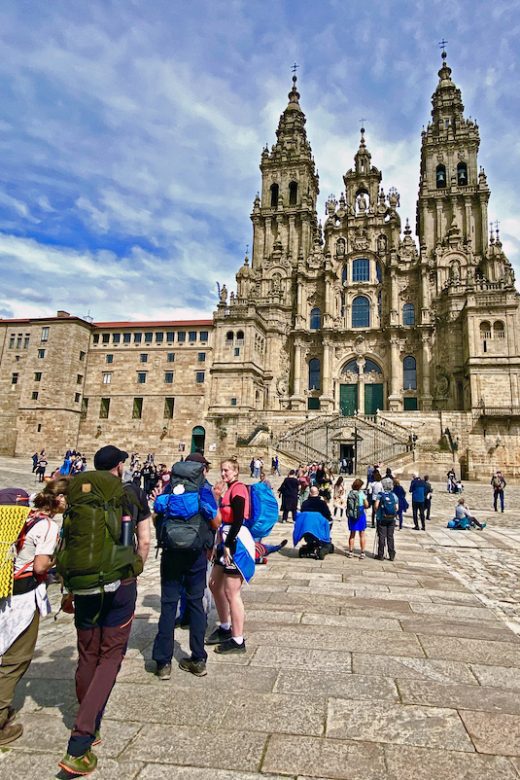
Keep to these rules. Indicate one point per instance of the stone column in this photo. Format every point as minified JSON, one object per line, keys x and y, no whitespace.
{"x":394,"y":300}
{"x":426,"y":361}
{"x":483,"y":227}
{"x":297,"y":371}
{"x":326,"y":383}
{"x":394,"y":399}
{"x":361,"y":385}
{"x":438,"y":221}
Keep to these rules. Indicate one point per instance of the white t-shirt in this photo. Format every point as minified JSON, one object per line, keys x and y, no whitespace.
{"x":41,"y":539}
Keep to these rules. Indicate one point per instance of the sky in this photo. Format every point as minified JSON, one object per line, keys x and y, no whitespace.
{"x":131,"y":132}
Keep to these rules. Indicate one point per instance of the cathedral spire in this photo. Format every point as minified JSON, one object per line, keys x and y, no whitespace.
{"x":447,"y":105}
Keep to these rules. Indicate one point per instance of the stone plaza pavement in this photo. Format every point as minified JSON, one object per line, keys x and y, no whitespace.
{"x":355,"y":669}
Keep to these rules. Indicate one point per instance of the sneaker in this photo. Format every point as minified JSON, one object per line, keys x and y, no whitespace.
{"x":230,"y":646}
{"x":349,"y":554}
{"x":164,"y":671}
{"x":482,"y":526}
{"x":219,"y":635}
{"x":9,"y":732}
{"x":283,"y":543}
{"x":198,"y":668}
{"x":79,"y":765}
{"x":361,"y":556}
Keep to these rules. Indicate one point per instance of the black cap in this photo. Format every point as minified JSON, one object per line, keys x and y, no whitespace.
{"x":107,"y":458}
{"x":198,"y":457}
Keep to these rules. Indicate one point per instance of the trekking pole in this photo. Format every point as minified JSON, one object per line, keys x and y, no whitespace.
{"x":375,"y":541}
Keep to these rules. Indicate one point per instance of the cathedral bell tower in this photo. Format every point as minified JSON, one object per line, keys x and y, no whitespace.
{"x":284,"y":215}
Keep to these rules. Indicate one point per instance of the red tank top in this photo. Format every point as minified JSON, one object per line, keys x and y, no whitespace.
{"x":235,"y":489}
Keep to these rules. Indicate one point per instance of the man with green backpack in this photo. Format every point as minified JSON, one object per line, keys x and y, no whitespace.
{"x":99,"y":561}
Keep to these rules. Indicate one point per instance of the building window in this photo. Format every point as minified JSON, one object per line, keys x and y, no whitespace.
{"x":293,"y":193}
{"x":141,"y":377}
{"x":41,"y":354}
{"x":95,"y":338}
{"x":137,"y":409}
{"x":181,"y":336}
{"x":236,"y":352}
{"x":169,"y":406}
{"x":201,"y":357}
{"x":230,"y":337}
{"x":138,"y":337}
{"x":148,"y":338}
{"x":14,"y":378}
{"x":462,"y":174}
{"x":12,"y":341}
{"x":200,"y":377}
{"x":159,"y":337}
{"x":37,"y":376}
{"x":408,"y":314}
{"x":499,"y":330}
{"x":45,"y":334}
{"x":79,"y":379}
{"x":315,"y":321}
{"x":170,"y":357}
{"x":440,"y":176}
{"x":104,"y":408}
{"x":109,"y":358}
{"x":409,"y":373}
{"x":274,"y":195}
{"x":240,"y":336}
{"x":143,"y":357}
{"x":168,"y":377}
{"x":34,"y":395}
{"x":127,"y":338}
{"x":379,"y":272}
{"x":361,"y":270}
{"x":313,"y":404}
{"x":39,"y":428}
{"x":82,"y":355}
{"x":19,"y":341}
{"x":107,"y":377}
{"x":233,"y":402}
{"x":361,"y":312}
{"x":314,"y":374}
{"x":170,"y":336}
{"x":192,"y":336}
{"x":116,"y":338}
{"x":105,"y":338}
{"x":203,"y":335}
{"x":84,"y":408}
{"x":77,"y":398}
{"x":26,"y":341}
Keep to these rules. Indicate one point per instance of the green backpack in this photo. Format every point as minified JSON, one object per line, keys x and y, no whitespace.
{"x":90,"y":553}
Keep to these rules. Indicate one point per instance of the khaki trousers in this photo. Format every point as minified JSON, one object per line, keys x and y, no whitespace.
{"x":15,"y":663}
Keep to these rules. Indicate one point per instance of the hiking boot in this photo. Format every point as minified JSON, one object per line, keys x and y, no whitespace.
{"x":198,"y":668}
{"x":219,"y":635}
{"x":9,"y":732}
{"x":230,"y":646}
{"x":163,"y":671}
{"x":379,"y":557}
{"x":79,"y":765}
{"x":392,"y":556}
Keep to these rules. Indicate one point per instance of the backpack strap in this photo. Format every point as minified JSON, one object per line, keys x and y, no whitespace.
{"x":27,"y":526}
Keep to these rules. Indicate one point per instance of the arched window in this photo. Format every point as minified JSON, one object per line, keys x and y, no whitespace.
{"x":409,"y":373}
{"x":462,"y":174}
{"x":274,"y":195}
{"x":351,"y":368}
{"x":240,"y":336}
{"x":344,"y":276}
{"x":315,"y":323}
{"x":485,"y":330}
{"x":361,"y":312}
{"x":314,"y":374}
{"x":230,"y":336}
{"x":361,"y":270}
{"x":408,"y":314}
{"x":499,"y":330}
{"x":293,"y":193}
{"x":379,"y":272}
{"x":440,"y":176}
{"x":371,"y":367}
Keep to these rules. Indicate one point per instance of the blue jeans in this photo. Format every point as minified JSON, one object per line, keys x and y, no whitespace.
{"x":181,"y":571}
{"x":498,"y":495}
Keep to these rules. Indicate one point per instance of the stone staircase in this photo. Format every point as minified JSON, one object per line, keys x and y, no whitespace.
{"x":375,"y":438}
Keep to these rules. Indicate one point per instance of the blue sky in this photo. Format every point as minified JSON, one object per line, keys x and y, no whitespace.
{"x":131,"y":132}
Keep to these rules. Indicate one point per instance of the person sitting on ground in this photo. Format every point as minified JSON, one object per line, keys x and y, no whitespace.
{"x":262,"y":550}
{"x":315,"y":503}
{"x":462,"y":511}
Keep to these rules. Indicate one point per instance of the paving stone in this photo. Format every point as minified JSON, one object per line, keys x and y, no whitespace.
{"x":452,"y":611}
{"x":473,"y":629}
{"x":349,"y":686}
{"x":397,"y":723}
{"x":493,"y":733}
{"x":405,"y":596}
{"x":472,"y":650}
{"x":412,"y":763}
{"x":498,"y":676}
{"x":45,"y":695}
{"x":268,"y":616}
{"x":275,"y":712}
{"x":170,"y":772}
{"x":19,"y":764}
{"x":348,"y":621}
{"x":165,"y":704}
{"x":413,"y":668}
{"x":302,"y":658}
{"x":393,"y":606}
{"x":238,"y":751}
{"x":328,"y":638}
{"x":462,"y":697}
{"x":322,"y":758}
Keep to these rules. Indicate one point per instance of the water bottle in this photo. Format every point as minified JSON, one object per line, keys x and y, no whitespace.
{"x":126,"y":531}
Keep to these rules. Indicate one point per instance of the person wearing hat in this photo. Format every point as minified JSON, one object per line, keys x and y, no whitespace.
{"x":103,"y":619}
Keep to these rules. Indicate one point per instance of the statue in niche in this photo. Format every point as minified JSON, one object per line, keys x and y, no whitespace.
{"x":276,"y":284}
{"x":455,"y":271}
{"x":442,"y":385}
{"x":223,"y":294}
{"x":232,"y":298}
{"x":362,"y":202}
{"x":381,"y":244}
{"x":340,"y":247}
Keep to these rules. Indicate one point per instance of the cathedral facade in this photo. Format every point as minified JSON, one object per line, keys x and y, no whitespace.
{"x":352,"y":319}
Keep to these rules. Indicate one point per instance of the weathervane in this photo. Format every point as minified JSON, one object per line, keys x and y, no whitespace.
{"x":442,"y":45}
{"x":295,"y":68}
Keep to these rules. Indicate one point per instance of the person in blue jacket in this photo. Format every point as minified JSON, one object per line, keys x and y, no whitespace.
{"x":418,"y":491}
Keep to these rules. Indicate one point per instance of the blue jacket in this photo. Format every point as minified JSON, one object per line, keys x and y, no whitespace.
{"x":418,"y":490}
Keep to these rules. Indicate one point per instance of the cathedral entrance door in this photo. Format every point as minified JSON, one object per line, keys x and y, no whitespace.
{"x":348,"y":400}
{"x":198,"y":439}
{"x":373,"y":398}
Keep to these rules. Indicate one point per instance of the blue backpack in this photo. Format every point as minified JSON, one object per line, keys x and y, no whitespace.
{"x":387,"y":510}
{"x":459,"y":525}
{"x":264,"y":510}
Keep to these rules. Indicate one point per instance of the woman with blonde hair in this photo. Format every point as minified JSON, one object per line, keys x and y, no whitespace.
{"x":234,"y":560}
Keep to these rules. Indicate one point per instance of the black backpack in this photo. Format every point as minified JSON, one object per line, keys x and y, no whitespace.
{"x":353,"y":505}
